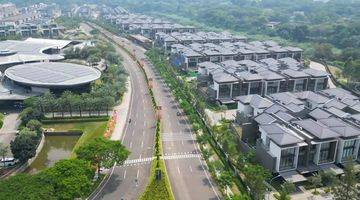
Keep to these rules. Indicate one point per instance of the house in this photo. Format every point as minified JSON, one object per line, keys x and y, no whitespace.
{"x":252,"y":105}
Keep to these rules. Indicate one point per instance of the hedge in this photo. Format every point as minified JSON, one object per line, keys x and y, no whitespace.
{"x":73,"y":120}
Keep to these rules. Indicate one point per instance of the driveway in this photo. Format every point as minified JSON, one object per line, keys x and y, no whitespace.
{"x":8,"y":131}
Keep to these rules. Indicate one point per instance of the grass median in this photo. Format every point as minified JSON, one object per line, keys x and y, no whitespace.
{"x":158,"y":188}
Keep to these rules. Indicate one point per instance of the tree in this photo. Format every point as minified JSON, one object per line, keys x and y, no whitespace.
{"x":3,"y":151}
{"x":23,"y":147}
{"x":103,"y":152}
{"x":30,"y":113}
{"x":286,"y":189}
{"x":323,"y":51}
{"x":255,"y":176}
{"x":225,"y":179}
{"x":315,"y":182}
{"x":24,"y":186}
{"x":34,"y":125}
{"x":70,"y":178}
{"x":346,"y":189}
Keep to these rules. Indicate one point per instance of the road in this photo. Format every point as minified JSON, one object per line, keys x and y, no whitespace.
{"x":129,"y":181}
{"x":187,"y":171}
{"x":9,"y":128}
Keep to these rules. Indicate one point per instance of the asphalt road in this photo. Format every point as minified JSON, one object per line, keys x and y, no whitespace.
{"x":129,"y":181}
{"x":187,"y":171}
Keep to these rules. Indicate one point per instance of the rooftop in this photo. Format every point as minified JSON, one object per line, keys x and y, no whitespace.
{"x":52,"y":74}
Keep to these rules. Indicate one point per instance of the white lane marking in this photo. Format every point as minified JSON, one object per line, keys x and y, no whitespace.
{"x":142,"y":144}
{"x":178,"y":170}
{"x":137,"y":174}
{"x":130,"y":145}
{"x":140,"y":156}
{"x":124,"y":174}
{"x":182,"y":142}
{"x":190,"y":168}
{"x":133,"y":132}
{"x":144,"y":124}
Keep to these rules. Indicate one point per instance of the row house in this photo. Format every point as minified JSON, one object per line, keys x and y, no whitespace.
{"x":229,"y":79}
{"x":232,"y":51}
{"x":298,"y":133}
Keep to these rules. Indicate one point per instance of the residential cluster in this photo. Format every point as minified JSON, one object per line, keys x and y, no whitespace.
{"x":35,"y":20}
{"x":145,"y":25}
{"x":302,"y":132}
{"x":290,"y":117}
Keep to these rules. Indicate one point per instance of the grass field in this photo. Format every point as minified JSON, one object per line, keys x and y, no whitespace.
{"x":90,"y":131}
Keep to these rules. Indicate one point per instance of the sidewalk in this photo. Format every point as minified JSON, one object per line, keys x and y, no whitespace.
{"x":122,"y":111}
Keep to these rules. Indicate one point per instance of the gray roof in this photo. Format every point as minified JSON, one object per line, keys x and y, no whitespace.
{"x":275,"y":108}
{"x":280,"y":135}
{"x":356,"y":107}
{"x":339,"y":93}
{"x":264,"y":118}
{"x":342,"y":128}
{"x":294,"y":74}
{"x":286,"y":98}
{"x":284,"y":116}
{"x":335,"y":103}
{"x":315,"y":73}
{"x":48,"y":74}
{"x":337,"y":112}
{"x":312,"y":96}
{"x":319,"y":113}
{"x":316,"y":129}
{"x":255,"y":100}
{"x":223,"y":77}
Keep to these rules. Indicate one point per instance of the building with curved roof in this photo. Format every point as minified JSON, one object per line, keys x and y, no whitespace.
{"x":31,"y":50}
{"x":43,"y":76}
{"x":52,"y":74}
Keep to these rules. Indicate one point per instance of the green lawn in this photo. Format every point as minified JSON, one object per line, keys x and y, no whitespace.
{"x":90,"y":130}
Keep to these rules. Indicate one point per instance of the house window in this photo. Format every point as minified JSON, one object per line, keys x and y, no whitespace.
{"x":287,"y":160}
{"x":224,"y":91}
{"x":349,"y":149}
{"x":324,"y":153}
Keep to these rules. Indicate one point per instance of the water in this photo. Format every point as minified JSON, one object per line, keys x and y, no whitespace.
{"x":54,"y":149}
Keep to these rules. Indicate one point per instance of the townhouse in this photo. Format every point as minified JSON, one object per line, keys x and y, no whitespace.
{"x":236,"y":50}
{"x":298,"y":133}
{"x":226,"y":80}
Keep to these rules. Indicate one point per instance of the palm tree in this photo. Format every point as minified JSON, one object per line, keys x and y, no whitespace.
{"x":67,"y":99}
{"x":50,"y":103}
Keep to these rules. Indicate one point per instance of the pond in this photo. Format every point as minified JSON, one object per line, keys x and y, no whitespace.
{"x":55,"y":148}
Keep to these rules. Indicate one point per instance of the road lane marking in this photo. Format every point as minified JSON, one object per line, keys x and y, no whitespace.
{"x":137,"y":174}
{"x":178,"y":170}
{"x":190,"y":168}
{"x":133,"y":132}
{"x":124,"y":174}
{"x":142,"y":144}
{"x":130,"y":145}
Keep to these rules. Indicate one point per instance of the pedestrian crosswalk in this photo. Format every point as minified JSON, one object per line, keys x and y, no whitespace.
{"x":170,"y":137}
{"x":140,"y":160}
{"x":180,"y":155}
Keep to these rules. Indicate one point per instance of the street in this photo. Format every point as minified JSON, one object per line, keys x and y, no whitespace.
{"x":128,"y":181}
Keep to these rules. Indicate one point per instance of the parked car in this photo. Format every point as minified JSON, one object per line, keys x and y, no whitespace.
{"x":6,"y":162}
